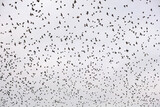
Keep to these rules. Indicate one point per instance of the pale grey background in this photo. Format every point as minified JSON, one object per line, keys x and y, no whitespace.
{"x":80,"y":66}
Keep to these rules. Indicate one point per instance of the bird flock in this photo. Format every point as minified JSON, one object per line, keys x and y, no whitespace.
{"x":79,"y":53}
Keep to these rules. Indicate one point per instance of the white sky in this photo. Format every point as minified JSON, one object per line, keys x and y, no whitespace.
{"x":80,"y":62}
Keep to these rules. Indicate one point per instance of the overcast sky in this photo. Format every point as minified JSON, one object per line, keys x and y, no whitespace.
{"x":84,"y":53}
